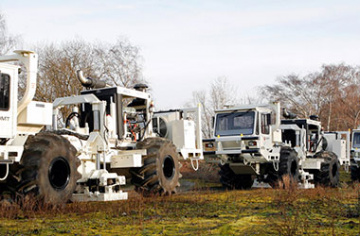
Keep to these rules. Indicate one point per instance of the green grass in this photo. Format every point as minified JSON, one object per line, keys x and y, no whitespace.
{"x":290,"y":211}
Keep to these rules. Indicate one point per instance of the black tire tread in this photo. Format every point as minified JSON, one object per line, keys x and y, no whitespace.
{"x":287,"y":157}
{"x":147,"y":179}
{"x":34,"y":153}
{"x":324,"y":176}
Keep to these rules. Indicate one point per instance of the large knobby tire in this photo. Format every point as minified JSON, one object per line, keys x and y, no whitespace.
{"x":230,"y":180}
{"x":289,"y":165}
{"x":49,"y":169}
{"x":355,"y":173}
{"x":329,"y":174}
{"x":161,"y":170}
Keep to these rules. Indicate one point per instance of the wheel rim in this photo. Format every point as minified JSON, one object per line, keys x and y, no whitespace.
{"x":59,"y":173}
{"x":168,"y":167}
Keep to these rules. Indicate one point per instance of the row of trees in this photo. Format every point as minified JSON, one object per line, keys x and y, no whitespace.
{"x":333,"y":93}
{"x":7,"y":41}
{"x":220,"y":94}
{"x":118,"y":64}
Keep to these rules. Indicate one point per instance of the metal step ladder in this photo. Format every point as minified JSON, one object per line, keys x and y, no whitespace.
{"x":305,"y":178}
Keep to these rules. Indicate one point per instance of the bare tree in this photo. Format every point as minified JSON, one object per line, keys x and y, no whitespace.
{"x":295,"y":93}
{"x":7,"y":41}
{"x":332,"y":93}
{"x":58,"y":64}
{"x":57,"y":69}
{"x":332,"y":81}
{"x":117,"y":64}
{"x":120,"y":63}
{"x":201,"y":97}
{"x":221,"y":93}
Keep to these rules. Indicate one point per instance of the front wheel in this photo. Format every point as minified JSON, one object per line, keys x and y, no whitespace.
{"x":161,"y":170}
{"x":329,"y":174}
{"x":231,"y":180}
{"x":289,"y":165}
{"x":49,"y":168}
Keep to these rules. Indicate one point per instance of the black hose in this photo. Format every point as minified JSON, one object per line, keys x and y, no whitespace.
{"x":146,"y":125}
{"x":72,"y":115}
{"x":69,"y":132}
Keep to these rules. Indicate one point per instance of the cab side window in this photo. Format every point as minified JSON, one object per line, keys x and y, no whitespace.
{"x":265,"y":123}
{"x":4,"y":92}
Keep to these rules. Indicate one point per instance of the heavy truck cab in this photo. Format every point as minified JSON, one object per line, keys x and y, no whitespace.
{"x":246,"y":133}
{"x":18,"y":119}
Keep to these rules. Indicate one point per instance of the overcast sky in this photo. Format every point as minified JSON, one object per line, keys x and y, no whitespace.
{"x":187,"y":44}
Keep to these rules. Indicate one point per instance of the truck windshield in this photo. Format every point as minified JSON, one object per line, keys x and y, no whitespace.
{"x":356,"y":140}
{"x":235,"y":123}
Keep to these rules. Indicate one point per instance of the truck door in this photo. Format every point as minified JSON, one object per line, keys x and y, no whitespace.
{"x":265,"y":121}
{"x":8,"y":100}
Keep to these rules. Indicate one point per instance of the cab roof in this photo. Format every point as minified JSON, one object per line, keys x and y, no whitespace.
{"x":241,"y":108}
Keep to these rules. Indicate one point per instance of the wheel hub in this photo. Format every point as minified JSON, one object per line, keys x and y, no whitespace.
{"x":59,"y":173}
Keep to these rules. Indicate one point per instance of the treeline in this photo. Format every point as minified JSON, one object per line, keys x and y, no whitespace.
{"x":333,"y":94}
{"x":118,"y":64}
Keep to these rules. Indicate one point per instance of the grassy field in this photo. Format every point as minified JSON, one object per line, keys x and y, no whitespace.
{"x":202,"y":208}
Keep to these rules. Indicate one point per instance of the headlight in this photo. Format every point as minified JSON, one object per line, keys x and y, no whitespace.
{"x":252,"y":143}
{"x":209,"y":145}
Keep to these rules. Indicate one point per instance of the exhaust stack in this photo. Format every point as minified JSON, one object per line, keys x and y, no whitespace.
{"x":90,"y":83}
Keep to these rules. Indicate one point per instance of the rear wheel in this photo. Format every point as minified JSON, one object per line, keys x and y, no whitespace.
{"x":329,"y":174}
{"x":48,"y":169}
{"x":231,"y":180}
{"x":161,"y":171}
